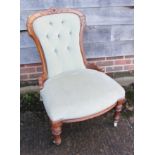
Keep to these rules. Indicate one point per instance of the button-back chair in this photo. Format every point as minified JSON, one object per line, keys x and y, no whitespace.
{"x":72,"y":89}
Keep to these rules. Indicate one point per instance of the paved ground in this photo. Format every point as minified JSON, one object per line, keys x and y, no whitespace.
{"x":92,"y":137}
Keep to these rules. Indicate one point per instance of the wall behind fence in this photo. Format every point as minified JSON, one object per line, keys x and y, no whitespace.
{"x":109,"y":30}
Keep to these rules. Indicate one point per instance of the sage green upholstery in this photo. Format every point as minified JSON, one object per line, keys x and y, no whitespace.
{"x":71,"y":91}
{"x":59,"y":37}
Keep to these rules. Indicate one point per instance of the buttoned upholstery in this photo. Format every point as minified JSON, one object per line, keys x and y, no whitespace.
{"x":79,"y":93}
{"x":71,"y":91}
{"x":59,"y":37}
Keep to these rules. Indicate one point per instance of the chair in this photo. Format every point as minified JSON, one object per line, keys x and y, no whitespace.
{"x":72,"y":89}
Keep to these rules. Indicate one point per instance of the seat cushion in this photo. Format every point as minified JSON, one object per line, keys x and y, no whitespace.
{"x":79,"y":93}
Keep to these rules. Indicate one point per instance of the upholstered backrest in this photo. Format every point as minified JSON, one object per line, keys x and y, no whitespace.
{"x":59,"y":38}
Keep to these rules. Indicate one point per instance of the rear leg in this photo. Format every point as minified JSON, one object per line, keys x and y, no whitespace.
{"x":118,"y":110}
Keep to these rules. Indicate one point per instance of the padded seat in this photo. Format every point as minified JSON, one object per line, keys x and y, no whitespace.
{"x":79,"y":93}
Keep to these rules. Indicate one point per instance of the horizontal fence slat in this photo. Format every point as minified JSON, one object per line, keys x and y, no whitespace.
{"x":26,"y":40}
{"x":122,"y":32}
{"x":95,"y":16}
{"x":44,"y":4}
{"x":92,"y":34}
{"x":93,"y":50}
{"x":29,"y":55}
{"x":97,"y":34}
{"x":109,"y":49}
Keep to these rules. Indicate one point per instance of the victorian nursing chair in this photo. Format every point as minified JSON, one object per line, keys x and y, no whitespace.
{"x":72,"y":89}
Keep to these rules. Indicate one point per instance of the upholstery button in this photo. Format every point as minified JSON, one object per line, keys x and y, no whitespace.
{"x":62,"y":22}
{"x":68,"y":48}
{"x":47,"y":36}
{"x":56,"y":51}
{"x":70,"y":32}
{"x":58,"y":35}
{"x":50,"y":23}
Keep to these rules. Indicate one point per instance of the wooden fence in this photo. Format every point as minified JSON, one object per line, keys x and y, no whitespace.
{"x":109,"y":30}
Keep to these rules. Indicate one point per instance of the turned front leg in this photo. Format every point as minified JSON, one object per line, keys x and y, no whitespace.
{"x":56,"y":131}
{"x":118,"y":110}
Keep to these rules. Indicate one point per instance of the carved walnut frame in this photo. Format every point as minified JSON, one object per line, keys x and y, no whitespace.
{"x":57,"y":126}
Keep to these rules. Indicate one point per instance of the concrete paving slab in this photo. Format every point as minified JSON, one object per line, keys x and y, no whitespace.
{"x":93,"y":137}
